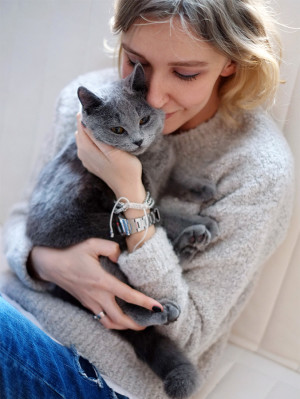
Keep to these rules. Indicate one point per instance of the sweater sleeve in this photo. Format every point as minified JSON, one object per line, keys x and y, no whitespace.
{"x":253,"y":209}
{"x":17,"y":245}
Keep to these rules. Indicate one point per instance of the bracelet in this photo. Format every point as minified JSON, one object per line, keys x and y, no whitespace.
{"x":126,"y":227}
{"x":122,"y":204}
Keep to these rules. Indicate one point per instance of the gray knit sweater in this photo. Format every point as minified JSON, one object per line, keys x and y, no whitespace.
{"x":253,"y":170}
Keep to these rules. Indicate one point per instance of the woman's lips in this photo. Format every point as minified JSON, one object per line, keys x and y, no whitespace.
{"x":168,"y":115}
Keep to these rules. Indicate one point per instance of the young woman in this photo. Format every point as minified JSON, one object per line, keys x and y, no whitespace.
{"x":210,"y":66}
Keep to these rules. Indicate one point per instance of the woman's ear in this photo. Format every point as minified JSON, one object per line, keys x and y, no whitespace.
{"x":229,"y":68}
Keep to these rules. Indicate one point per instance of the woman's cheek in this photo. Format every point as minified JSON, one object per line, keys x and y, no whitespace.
{"x":126,"y":69}
{"x":198,"y":96}
{"x":124,"y":72}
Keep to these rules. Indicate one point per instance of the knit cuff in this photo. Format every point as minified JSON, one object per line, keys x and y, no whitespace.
{"x":153,"y":260}
{"x":18,"y":247}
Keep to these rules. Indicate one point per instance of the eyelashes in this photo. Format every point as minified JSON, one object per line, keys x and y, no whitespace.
{"x":180,"y":76}
{"x":186,"y":77}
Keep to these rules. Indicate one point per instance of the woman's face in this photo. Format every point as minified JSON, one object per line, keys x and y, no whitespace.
{"x":182,"y":74}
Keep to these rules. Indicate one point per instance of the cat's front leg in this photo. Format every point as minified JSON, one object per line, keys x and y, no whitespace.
{"x":195,"y":239}
{"x":145,"y":317}
{"x":189,"y":234}
{"x":200,"y":190}
{"x":203,"y":191}
{"x":193,"y":189}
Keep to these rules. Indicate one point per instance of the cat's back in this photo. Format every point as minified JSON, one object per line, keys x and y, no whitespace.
{"x":67,"y":177}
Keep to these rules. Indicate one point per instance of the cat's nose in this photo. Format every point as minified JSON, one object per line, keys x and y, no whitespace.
{"x":138,"y":142}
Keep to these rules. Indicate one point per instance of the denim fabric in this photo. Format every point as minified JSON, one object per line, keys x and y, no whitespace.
{"x":33,"y":366}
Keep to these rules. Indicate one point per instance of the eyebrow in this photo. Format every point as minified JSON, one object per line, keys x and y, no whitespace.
{"x":191,"y":63}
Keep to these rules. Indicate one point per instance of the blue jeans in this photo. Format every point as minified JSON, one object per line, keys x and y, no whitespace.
{"x":33,"y":366}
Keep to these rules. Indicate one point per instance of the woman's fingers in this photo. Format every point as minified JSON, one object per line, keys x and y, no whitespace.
{"x":101,"y":294}
{"x":128,"y":294}
{"x":102,"y":247}
{"x":83,"y":133}
{"x":85,"y":145}
{"x":116,"y":318}
{"x":111,"y":315}
{"x":112,"y":284}
{"x":120,"y":170}
{"x":96,"y":156}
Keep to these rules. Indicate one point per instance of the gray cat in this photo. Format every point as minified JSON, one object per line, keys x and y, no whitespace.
{"x":69,"y":205}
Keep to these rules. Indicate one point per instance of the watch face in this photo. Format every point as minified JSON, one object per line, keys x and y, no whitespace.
{"x":123,"y":226}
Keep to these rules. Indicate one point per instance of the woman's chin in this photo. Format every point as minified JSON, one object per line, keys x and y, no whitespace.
{"x":170,"y":126}
{"x":174,"y":122}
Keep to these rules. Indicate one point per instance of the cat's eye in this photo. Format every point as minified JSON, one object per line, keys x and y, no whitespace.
{"x":118,"y":130}
{"x":144,"y":120}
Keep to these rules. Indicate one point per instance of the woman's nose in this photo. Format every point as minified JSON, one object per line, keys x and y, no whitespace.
{"x":157,"y":95}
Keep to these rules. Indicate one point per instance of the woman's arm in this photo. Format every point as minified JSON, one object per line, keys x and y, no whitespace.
{"x":253,"y":211}
{"x":213,"y":288}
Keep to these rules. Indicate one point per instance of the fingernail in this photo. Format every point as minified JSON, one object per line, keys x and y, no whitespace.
{"x":156,"y":309}
{"x":83,"y":124}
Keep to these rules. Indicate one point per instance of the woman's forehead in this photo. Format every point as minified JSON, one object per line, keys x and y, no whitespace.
{"x":167,"y":39}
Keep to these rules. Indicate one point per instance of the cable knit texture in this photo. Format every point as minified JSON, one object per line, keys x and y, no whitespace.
{"x":253,"y":170}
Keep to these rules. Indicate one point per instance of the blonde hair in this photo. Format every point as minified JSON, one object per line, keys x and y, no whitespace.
{"x":242,"y":30}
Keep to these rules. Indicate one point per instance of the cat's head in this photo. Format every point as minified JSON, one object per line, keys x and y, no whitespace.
{"x":120,"y":115}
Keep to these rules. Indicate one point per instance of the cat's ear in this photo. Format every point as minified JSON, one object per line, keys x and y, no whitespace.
{"x":137,"y":79}
{"x":88,"y":99}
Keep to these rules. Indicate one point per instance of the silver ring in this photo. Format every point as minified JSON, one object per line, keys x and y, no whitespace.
{"x":99,"y":316}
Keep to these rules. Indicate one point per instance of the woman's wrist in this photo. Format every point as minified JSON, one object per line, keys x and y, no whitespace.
{"x":31,"y":269}
{"x":136,"y":240}
{"x":136,"y":195}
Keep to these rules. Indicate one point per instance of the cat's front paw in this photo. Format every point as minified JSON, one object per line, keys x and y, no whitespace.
{"x":194,"y":239}
{"x":171,"y":310}
{"x":145,"y":317}
{"x":170,"y":313}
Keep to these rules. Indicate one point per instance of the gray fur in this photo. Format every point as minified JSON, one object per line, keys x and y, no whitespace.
{"x":69,"y":205}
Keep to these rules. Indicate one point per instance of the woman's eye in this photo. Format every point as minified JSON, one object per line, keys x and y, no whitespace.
{"x":118,"y":130}
{"x":132,"y":63}
{"x":186,"y":77}
{"x":144,"y":120}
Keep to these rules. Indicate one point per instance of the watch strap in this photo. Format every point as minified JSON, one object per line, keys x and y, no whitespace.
{"x":126,"y":227}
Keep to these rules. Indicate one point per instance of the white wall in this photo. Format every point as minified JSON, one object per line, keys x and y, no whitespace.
{"x":44,"y":44}
{"x":270,"y":325}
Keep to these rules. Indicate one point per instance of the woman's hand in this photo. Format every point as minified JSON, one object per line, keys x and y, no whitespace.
{"x":121,"y":171}
{"x":77,"y":270}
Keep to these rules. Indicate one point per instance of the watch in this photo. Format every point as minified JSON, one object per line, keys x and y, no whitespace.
{"x":126,"y":227}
